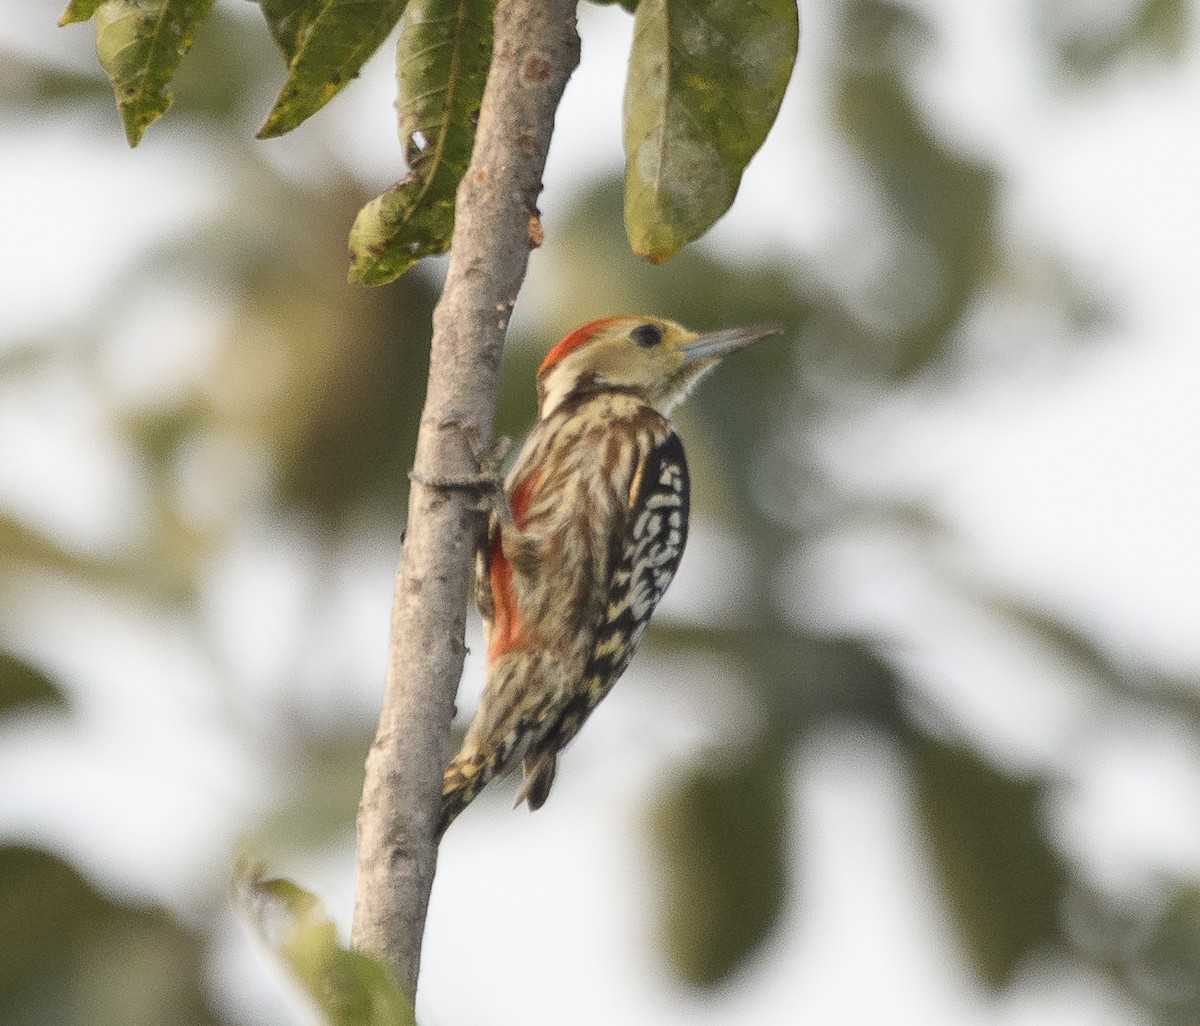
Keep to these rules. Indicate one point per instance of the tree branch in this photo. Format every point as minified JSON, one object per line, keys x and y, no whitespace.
{"x":496,"y":224}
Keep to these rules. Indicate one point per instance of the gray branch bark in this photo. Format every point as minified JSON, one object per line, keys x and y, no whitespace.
{"x":496,"y":225}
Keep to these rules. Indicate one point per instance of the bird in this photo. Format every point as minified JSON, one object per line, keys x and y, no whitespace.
{"x":596,"y":522}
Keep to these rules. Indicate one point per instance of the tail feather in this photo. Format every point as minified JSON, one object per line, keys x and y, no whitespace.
{"x":538,"y":769}
{"x":467,"y":775}
{"x":470,"y":773}
{"x":511,"y":718}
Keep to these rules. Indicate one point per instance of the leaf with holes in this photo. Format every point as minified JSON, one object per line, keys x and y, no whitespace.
{"x":706,"y":78}
{"x":140,"y":44}
{"x":326,"y":43}
{"x":442,"y":61}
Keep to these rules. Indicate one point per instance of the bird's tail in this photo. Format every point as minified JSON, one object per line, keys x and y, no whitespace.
{"x":511,"y":718}
{"x":538,"y":769}
{"x":467,"y":775}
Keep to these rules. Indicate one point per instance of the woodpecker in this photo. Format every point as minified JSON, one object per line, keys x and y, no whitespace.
{"x":597,"y":521}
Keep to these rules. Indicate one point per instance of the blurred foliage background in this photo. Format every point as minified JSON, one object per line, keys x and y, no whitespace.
{"x":225,"y":427}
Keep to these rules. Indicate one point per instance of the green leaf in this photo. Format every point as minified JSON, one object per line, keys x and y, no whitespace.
{"x":326,"y":43}
{"x":706,"y":78}
{"x":140,"y":44}
{"x":1166,"y":957}
{"x":288,"y":22}
{"x":74,"y":957}
{"x":943,"y":198}
{"x":1004,"y":882}
{"x":722,"y":837}
{"x":356,"y":429}
{"x":79,"y":10}
{"x":25,"y":548}
{"x":442,"y":61}
{"x":1088,"y":48}
{"x":629,"y":5}
{"x":23,"y":685}
{"x":351,"y":988}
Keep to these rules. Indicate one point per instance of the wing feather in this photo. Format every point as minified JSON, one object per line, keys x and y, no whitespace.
{"x":642,"y":561}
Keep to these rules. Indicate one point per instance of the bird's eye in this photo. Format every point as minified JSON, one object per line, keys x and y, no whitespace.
{"x":647,"y":335}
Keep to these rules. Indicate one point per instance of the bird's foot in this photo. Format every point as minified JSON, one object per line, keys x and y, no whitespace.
{"x":487,"y":484}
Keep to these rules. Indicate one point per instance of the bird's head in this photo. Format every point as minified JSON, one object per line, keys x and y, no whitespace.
{"x":656,"y":359}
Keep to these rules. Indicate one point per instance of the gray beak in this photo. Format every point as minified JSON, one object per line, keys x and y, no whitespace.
{"x":716,"y":344}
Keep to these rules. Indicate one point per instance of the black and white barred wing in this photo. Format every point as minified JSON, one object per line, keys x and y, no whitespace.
{"x":644,"y":561}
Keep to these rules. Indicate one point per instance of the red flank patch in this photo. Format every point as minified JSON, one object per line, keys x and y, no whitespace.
{"x":506,"y":625}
